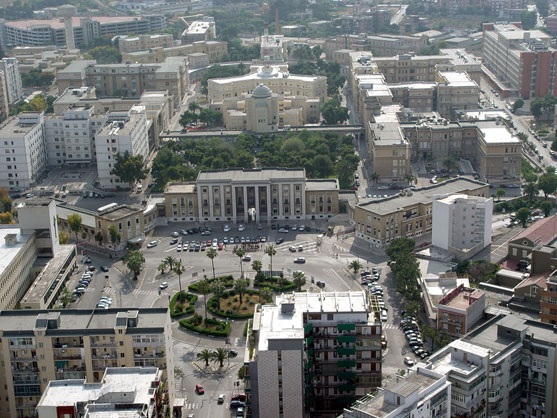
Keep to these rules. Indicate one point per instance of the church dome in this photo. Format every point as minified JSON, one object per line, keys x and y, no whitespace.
{"x":261,"y":92}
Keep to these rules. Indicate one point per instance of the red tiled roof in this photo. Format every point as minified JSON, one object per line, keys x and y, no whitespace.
{"x":542,"y":232}
{"x":537,"y":279}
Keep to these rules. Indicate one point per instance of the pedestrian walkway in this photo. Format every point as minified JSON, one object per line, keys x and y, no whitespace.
{"x":390,"y":326}
{"x":113,"y":291}
{"x":308,"y":246}
{"x":193,"y":405}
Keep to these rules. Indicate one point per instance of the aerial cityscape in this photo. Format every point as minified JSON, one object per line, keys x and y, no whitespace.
{"x":278,"y":209}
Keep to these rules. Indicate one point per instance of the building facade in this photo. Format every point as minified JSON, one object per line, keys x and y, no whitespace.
{"x":142,"y":42}
{"x":42,"y":346}
{"x":213,"y":50}
{"x":548,"y":302}
{"x":12,"y":75}
{"x":268,"y":194}
{"x":200,"y":30}
{"x":459,"y":311}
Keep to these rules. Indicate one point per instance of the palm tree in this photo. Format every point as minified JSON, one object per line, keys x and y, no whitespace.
{"x":193,"y":107}
{"x":240,"y":252}
{"x":355,"y":266}
{"x":411,"y":179}
{"x":271,"y":251}
{"x":135,"y":261}
{"x":531,"y":189}
{"x":257,"y":266}
{"x":205,"y":355}
{"x":374,"y":177}
{"x":212,"y":254}
{"x":240,"y":287}
{"x":450,"y":163}
{"x":162,"y":267}
{"x":170,"y":261}
{"x":219,"y":355}
{"x":299,"y":279}
{"x":218,"y":290}
{"x":266,"y":294}
{"x":204,"y":288}
{"x":179,"y":269}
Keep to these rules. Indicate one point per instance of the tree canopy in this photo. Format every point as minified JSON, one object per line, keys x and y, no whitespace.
{"x":129,"y":168}
{"x":105,"y":55}
{"x":333,"y":112}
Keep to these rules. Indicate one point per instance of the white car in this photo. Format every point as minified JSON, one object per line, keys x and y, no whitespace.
{"x":383,"y":315}
{"x":408,"y":361}
{"x":152,"y":244}
{"x":163,"y":285}
{"x":226,"y":228}
{"x":175,"y":234}
{"x":241,"y":228}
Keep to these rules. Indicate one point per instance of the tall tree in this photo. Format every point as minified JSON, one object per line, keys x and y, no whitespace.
{"x":212,"y":254}
{"x":218,"y":290}
{"x":547,"y":183}
{"x":257,"y":266}
{"x":240,"y":252}
{"x":355,"y":266}
{"x":162,"y":267}
{"x":170,"y":261}
{"x":129,"y":168}
{"x":522,"y":215}
{"x":74,"y":221}
{"x":546,"y":206}
{"x":115,"y":236}
{"x":205,"y":355}
{"x":99,"y":238}
{"x":219,"y":355}
{"x":271,"y":251}
{"x":179,"y":269}
{"x":134,"y":261}
{"x":266,"y":294}
{"x":299,"y":279}
{"x":240,"y":287}
{"x":500,"y":192}
{"x":204,"y":288}
{"x":333,"y":112}
{"x":531,"y":190}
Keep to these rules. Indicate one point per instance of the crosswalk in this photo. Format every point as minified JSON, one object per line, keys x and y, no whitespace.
{"x":192,"y":405}
{"x":390,"y":326}
{"x":309,"y":246}
{"x":113,"y":291}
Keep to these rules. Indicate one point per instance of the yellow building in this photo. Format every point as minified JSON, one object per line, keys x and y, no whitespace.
{"x":38,"y":346}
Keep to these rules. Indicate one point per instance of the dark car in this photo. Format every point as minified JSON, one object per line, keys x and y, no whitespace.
{"x":92,"y":268}
{"x":237,"y":404}
{"x":232,"y":353}
{"x":104,"y":268}
{"x":273,"y":226}
{"x":279,"y":241}
{"x":320,"y":284}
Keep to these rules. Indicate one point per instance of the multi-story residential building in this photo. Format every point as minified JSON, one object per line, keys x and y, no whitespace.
{"x":4,"y":102}
{"x":273,"y":48}
{"x":521,"y":60}
{"x":276,"y":77}
{"x":459,"y":311}
{"x":269,"y":193}
{"x":506,"y":367}
{"x":213,"y":50}
{"x":548,"y":301}
{"x":44,"y":58}
{"x":418,"y":394}
{"x":200,"y":30}
{"x":39,"y":346}
{"x":23,"y":149}
{"x":142,"y":42}
{"x":366,"y":21}
{"x":381,"y":45}
{"x":129,"y":80}
{"x":551,"y":24}
{"x":121,"y":391}
{"x":319,"y":350}
{"x":129,"y":222}
{"x":12,"y":75}
{"x":37,"y":32}
{"x":537,"y":235}
{"x":455,"y":91}
{"x":499,"y":8}
{"x":380,"y":221}
{"x":409,"y":68}
{"x":127,"y":133}
{"x":462,"y":224}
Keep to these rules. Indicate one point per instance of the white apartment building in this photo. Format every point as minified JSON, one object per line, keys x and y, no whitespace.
{"x":200,"y":30}
{"x":70,"y":138}
{"x":462,"y":224}
{"x":10,"y":67}
{"x":273,"y":48}
{"x":418,"y":394}
{"x":127,"y":132}
{"x":22,"y":150}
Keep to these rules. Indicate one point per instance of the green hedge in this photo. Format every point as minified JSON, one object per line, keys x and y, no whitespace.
{"x":227,"y":280}
{"x":190,"y":299}
{"x":274,"y":284}
{"x":193,"y":325}
{"x":212,"y":306}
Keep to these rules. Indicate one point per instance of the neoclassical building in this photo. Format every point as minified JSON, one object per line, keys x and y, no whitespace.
{"x":259,"y":195}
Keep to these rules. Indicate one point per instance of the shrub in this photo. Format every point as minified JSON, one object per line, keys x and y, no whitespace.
{"x":222,"y":328}
{"x":228,"y":313}
{"x":178,"y":304}
{"x":274,"y":284}
{"x":228,"y":281}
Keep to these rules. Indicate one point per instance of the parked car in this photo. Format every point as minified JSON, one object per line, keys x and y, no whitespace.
{"x":175,"y":234}
{"x":246,"y":258}
{"x":408,"y":361}
{"x":237,"y":404}
{"x":300,"y":260}
{"x":104,"y":268}
{"x":292,"y":249}
{"x":320,"y":284}
{"x":239,"y":397}
{"x":152,"y":244}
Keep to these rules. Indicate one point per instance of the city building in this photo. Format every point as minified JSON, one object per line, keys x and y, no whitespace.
{"x":380,"y":45}
{"x":521,"y":60}
{"x":126,"y":133}
{"x":272,"y":194}
{"x":419,"y":393}
{"x":129,"y":391}
{"x":372,"y":20}
{"x":142,"y":42}
{"x":37,"y":32}
{"x":273,"y":48}
{"x":461,"y":224}
{"x":434,"y":287}
{"x":262,"y":110}
{"x":12,"y":76}
{"x":23,"y":145}
{"x":459,"y":310}
{"x":40,"y":346}
{"x":127,"y":80}
{"x":326,"y":347}
{"x":276,"y":77}
{"x":548,"y":302}
{"x":43,"y":58}
{"x":128,"y":221}
{"x":213,"y":50}
{"x":200,"y":30}
{"x":409,"y":214}
{"x":505,"y":367}
{"x":4,"y":103}
{"x":551,"y":24}
{"x":537,"y":235}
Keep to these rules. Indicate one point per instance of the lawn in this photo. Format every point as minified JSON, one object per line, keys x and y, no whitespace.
{"x":230,"y":304}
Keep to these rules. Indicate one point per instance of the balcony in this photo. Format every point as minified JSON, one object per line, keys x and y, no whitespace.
{"x":346,"y":363}
{"x":346,"y":351}
{"x":346,"y":327}
{"x":346,"y":338}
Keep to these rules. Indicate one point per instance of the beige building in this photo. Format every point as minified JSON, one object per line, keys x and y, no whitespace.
{"x":129,"y":80}
{"x":276,"y":77}
{"x":4,"y":104}
{"x":214,"y":50}
{"x":44,"y":58}
{"x":408,"y":215}
{"x":459,"y":310}
{"x":142,"y":42}
{"x":380,"y":45}
{"x":269,"y":193}
{"x":40,"y":346}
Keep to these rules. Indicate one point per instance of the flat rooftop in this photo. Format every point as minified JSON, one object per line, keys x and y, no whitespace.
{"x":180,"y":188}
{"x":135,"y":381}
{"x":261,"y":73}
{"x":322,"y":185}
{"x":85,"y":321}
{"x":9,"y":252}
{"x":48,"y":275}
{"x":458,"y":79}
{"x":386,"y":127}
{"x":276,"y":324}
{"x":421,"y":196}
{"x":342,"y":302}
{"x":241,"y":175}
{"x":463,"y":299}
{"x":198,"y":27}
{"x":76,"y":21}
{"x":120,"y":212}
{"x":497,"y":134}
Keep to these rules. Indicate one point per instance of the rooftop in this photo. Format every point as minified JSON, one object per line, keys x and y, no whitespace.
{"x":461,"y":298}
{"x":386,"y":127}
{"x":541,"y":232}
{"x":275,"y":323}
{"x":199,"y":26}
{"x":457,"y":79}
{"x":9,"y":252}
{"x":76,"y":21}
{"x":511,"y":32}
{"x":261,"y":72}
{"x":421,"y":196}
{"x":242,"y":175}
{"x":320,"y":185}
{"x":497,"y":134}
{"x":180,"y":188}
{"x":342,"y":302}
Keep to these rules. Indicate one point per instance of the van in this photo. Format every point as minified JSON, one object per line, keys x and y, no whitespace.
{"x":139,"y":188}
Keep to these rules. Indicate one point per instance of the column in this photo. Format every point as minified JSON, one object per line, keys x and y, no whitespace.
{"x":211,"y":202}
{"x":246,"y":204}
{"x":222,"y":202}
{"x":280,"y":200}
{"x":199,"y":202}
{"x":257,"y":203}
{"x":269,"y":200}
{"x":233,"y":194}
{"x":292,"y":201}
{"x":303,"y":189}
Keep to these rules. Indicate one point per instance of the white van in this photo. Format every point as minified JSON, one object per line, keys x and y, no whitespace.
{"x":139,"y":188}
